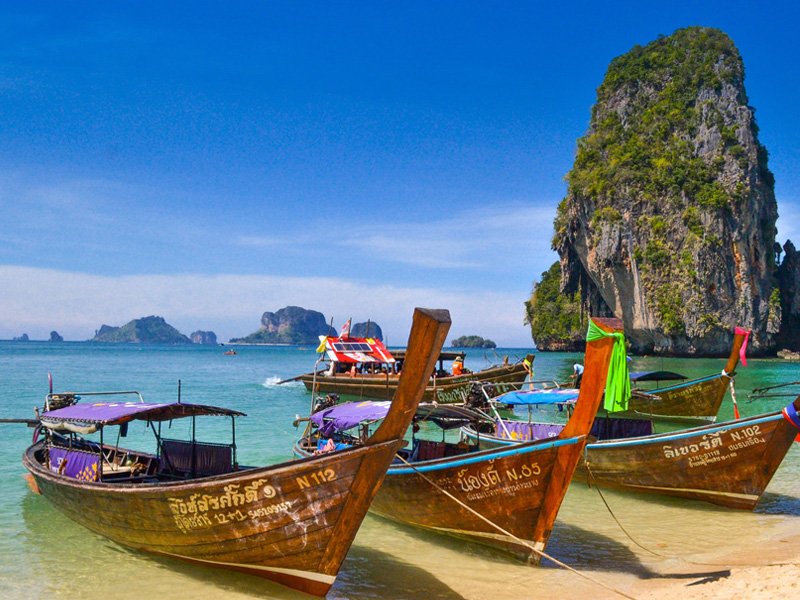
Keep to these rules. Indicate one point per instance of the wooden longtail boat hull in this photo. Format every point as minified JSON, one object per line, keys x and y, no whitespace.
{"x":291,"y":523}
{"x":443,"y":390}
{"x":277,"y":523}
{"x":696,"y":402}
{"x":727,"y":464}
{"x":693,"y":402}
{"x":518,"y":488}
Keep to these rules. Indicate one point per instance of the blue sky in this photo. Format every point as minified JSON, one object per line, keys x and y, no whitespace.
{"x":207,"y":162}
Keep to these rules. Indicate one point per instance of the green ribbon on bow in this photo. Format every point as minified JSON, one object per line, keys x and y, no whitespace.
{"x":618,"y":382}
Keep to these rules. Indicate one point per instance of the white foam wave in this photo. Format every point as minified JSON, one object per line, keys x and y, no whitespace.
{"x":273,"y":380}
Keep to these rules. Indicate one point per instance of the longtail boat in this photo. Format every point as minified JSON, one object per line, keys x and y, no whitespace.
{"x":693,"y":402}
{"x":291,"y":523}
{"x":729,"y":464}
{"x":365,"y":368}
{"x":518,"y":489}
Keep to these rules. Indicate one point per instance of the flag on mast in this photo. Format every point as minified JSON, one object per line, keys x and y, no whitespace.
{"x":346,"y":329}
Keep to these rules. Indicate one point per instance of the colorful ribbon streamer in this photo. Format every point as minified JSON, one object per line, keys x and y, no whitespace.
{"x":618,"y":382}
{"x":746,"y":334}
{"x":790,"y":414}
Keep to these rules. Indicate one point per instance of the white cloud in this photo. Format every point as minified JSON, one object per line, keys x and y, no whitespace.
{"x":37,"y":301}
{"x":476,"y":238}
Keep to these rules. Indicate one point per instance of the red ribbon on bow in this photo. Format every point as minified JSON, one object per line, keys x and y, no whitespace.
{"x":746,"y":334}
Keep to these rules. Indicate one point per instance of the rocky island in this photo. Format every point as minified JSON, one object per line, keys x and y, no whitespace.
{"x":146,"y":330}
{"x":367,"y":330}
{"x":289,"y":325}
{"x":669,"y":218}
{"x":472,"y":341}
{"x":204,"y":337}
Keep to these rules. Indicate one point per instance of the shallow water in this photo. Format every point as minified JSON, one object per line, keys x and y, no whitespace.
{"x":45,"y":555}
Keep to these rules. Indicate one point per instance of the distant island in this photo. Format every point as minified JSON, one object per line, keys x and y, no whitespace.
{"x":204,"y":337}
{"x":297,"y":326}
{"x":363,"y":330}
{"x":23,"y":338}
{"x":54,"y":337}
{"x":289,"y":325}
{"x":149,"y":330}
{"x":472,"y":341}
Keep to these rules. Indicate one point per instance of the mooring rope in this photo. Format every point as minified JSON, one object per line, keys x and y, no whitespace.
{"x":654,"y":553}
{"x":491,"y":523}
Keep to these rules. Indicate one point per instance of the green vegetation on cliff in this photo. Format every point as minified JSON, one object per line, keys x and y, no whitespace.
{"x":555,"y":318}
{"x":670,"y":204}
{"x":289,"y":335}
{"x":472,"y":341}
{"x":146,"y":330}
{"x":289,"y":325}
{"x":646,"y":148}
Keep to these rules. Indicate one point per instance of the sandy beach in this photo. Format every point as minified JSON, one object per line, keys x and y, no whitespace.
{"x":776,"y":576}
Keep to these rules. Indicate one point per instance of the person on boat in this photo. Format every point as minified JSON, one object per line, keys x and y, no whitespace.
{"x":458,"y":366}
{"x":577,"y":375}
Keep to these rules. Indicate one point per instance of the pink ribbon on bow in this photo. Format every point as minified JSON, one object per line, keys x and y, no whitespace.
{"x":746,"y":334}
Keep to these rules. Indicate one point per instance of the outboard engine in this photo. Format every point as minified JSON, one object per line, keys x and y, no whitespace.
{"x":326,"y":402}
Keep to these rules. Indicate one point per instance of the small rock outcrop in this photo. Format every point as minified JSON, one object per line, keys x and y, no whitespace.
{"x":289,"y":325}
{"x":23,"y":338}
{"x":204,"y":337}
{"x":472,"y":341}
{"x":788,"y":276}
{"x":54,"y":337}
{"x":151,"y":330}
{"x":669,"y":219}
{"x":364,"y":330}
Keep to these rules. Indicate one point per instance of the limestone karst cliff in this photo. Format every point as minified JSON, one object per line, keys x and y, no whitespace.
{"x":669,"y":218}
{"x":788,"y":276}
{"x":289,"y":325}
{"x":204,"y":337}
{"x":367,"y":329}
{"x":151,"y":330}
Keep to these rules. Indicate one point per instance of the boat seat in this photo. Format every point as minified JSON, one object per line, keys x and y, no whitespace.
{"x":428,"y":450}
{"x":179,"y":458}
{"x":456,"y":449}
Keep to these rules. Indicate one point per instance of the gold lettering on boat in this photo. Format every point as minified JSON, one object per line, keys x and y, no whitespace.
{"x":487,"y":478}
{"x":191,"y":513}
{"x":316,"y":478}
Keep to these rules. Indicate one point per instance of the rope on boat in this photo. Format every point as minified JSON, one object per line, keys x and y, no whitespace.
{"x":630,"y":537}
{"x":613,"y":516}
{"x":541,"y":553}
{"x":733,"y":394}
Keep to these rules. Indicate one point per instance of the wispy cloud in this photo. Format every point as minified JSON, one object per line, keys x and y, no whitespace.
{"x":37,"y":301}
{"x":476,"y":238}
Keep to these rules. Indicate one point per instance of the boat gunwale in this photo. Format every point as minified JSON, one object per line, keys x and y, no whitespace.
{"x":30,"y":463}
{"x":668,"y":436}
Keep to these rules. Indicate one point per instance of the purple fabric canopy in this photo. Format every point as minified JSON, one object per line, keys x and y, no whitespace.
{"x":344,"y":416}
{"x":114,"y":413}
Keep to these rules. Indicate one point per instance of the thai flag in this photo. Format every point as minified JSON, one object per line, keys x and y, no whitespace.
{"x":346,"y":329}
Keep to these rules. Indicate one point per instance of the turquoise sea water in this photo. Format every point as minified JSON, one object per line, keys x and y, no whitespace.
{"x":45,"y":555}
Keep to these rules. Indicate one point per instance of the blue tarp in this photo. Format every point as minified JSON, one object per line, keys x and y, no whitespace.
{"x":552,"y":396}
